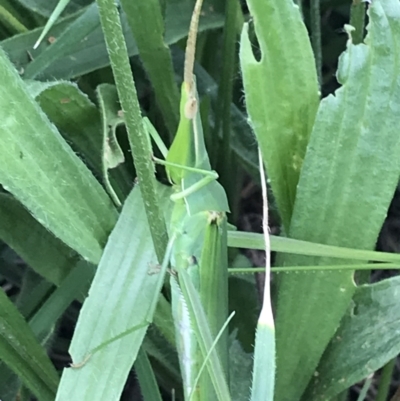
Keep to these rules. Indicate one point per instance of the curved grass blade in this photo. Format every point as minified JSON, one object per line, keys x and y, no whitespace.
{"x":45,"y":175}
{"x":21,"y":351}
{"x":46,"y":7}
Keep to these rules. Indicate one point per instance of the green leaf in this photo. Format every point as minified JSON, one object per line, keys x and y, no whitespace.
{"x":20,"y":350}
{"x":281,"y":92}
{"x":365,"y":341}
{"x":80,"y":51}
{"x":349,"y":175}
{"x":73,"y":113}
{"x":147,"y":380}
{"x":42,"y":323}
{"x":119,"y":299}
{"x":112,"y":153}
{"x":155,"y":55}
{"x":78,"y":120}
{"x":46,"y":7}
{"x":240,"y":367}
{"x":60,"y":7}
{"x":25,"y":235}
{"x":246,"y":240}
{"x":79,"y":29}
{"x":46,"y":176}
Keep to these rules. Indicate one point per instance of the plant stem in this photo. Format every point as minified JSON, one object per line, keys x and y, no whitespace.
{"x":357,"y":20}
{"x":137,"y":134}
{"x":384,"y":382}
{"x":316,"y":36}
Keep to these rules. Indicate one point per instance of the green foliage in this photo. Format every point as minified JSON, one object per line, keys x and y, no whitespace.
{"x":83,"y":219}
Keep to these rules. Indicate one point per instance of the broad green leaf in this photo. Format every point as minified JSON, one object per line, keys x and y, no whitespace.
{"x":281,"y":92}
{"x":46,"y":7}
{"x":155,"y":55}
{"x":119,"y":299}
{"x":20,"y":350}
{"x":75,"y":116}
{"x":365,"y":341}
{"x":25,"y":235}
{"x":78,"y":120}
{"x":349,"y":176}
{"x":77,"y":52}
{"x":45,"y":175}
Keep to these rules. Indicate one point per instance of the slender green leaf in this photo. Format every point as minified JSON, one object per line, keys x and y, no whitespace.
{"x":281,"y":93}
{"x":60,"y":7}
{"x":350,"y":173}
{"x":25,"y":235}
{"x":46,"y":7}
{"x":147,"y":380}
{"x":8,"y":19}
{"x":246,"y":240}
{"x":365,"y":341}
{"x":20,"y":350}
{"x":76,"y":52}
{"x":45,"y":175}
{"x":155,"y":55}
{"x":75,"y":286}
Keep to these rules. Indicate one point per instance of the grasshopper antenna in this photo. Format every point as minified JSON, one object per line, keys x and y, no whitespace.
{"x":191,"y":46}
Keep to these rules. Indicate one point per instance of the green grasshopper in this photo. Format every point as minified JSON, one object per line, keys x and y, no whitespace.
{"x":197,"y":231}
